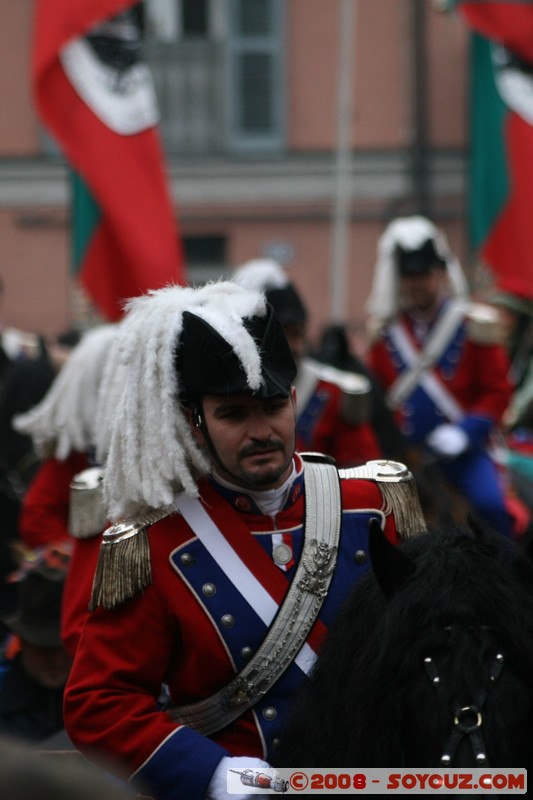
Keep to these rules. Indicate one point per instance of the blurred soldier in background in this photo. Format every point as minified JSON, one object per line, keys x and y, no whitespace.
{"x":440,"y":360}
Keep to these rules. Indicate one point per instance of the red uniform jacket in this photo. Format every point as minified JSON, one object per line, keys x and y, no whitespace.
{"x":45,"y":519}
{"x":44,"y":513}
{"x":178,"y":634}
{"x":476,"y":374}
{"x":322,"y":429}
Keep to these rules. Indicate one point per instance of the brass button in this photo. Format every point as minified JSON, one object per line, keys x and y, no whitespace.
{"x":270,"y":713}
{"x":360,"y":557}
{"x":209,"y":589}
{"x":227,"y":621}
{"x":186,"y":559}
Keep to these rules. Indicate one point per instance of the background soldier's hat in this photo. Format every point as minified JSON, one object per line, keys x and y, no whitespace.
{"x":419,"y":260}
{"x":266,"y":275}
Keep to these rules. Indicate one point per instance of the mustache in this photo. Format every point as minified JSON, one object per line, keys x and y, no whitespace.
{"x":261,"y":447}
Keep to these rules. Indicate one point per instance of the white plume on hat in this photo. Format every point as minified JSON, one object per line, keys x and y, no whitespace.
{"x":410,"y":233}
{"x":261,"y":274}
{"x":152,"y":453}
{"x":64,"y":420}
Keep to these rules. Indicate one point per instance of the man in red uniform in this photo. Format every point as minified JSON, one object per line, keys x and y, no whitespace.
{"x":333,"y":405}
{"x":230,"y":555}
{"x":439,"y":358}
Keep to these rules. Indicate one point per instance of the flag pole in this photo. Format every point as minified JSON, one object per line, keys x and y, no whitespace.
{"x":342,"y":169}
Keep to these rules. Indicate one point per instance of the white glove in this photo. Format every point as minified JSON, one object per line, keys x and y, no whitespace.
{"x":447,"y":440}
{"x":218,"y":785}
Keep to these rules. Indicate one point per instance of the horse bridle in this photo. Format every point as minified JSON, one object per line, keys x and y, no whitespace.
{"x":467,"y":720}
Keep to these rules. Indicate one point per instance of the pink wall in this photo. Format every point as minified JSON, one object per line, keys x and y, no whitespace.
{"x":312,"y":34}
{"x":447,"y":48}
{"x":382,"y":92}
{"x":18,"y":129}
{"x":381,"y":96}
{"x":34,"y":270}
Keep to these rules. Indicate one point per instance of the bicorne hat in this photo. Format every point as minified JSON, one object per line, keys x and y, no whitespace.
{"x":38,"y":611}
{"x":268,"y":276}
{"x":208,"y":364}
{"x":419,"y":260}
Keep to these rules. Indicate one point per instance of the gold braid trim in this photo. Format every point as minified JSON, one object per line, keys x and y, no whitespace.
{"x":124,"y":567}
{"x":399,"y":492}
{"x":401,"y":499}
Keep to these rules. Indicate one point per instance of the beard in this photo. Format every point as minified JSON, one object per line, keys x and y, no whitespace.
{"x":263,"y":477}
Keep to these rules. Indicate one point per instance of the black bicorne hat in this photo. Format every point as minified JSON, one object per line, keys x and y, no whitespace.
{"x":37,"y":617}
{"x":287,"y":304}
{"x":419,"y":261}
{"x":207,"y":364}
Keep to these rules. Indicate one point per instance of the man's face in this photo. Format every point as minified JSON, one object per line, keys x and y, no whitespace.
{"x":254,"y":439}
{"x":421,"y":292}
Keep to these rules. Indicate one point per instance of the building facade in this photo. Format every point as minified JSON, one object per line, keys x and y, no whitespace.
{"x":292,"y":128}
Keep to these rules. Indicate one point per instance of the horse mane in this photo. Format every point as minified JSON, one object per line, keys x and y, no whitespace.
{"x":369,"y":702}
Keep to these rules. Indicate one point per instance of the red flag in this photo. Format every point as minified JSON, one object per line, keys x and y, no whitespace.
{"x":94,"y":95}
{"x":508,"y":247}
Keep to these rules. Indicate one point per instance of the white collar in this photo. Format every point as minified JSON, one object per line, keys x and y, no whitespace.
{"x":270,"y":501}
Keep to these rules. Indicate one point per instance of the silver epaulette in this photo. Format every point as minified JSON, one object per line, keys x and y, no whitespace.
{"x":87,"y":516}
{"x":398,"y":490}
{"x":380,"y":470}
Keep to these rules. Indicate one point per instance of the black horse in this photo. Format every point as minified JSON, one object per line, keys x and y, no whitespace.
{"x":430,"y":663}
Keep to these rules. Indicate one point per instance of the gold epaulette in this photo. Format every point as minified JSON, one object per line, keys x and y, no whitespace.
{"x":399,"y":492}
{"x":483,"y":324}
{"x":86,"y":514}
{"x":124,"y":567}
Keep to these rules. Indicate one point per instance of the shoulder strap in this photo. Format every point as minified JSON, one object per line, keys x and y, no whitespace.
{"x":419,"y":363}
{"x":299,"y":610}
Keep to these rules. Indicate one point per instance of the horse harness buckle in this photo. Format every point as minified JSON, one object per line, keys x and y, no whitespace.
{"x":467,"y":720}
{"x":460,"y":719}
